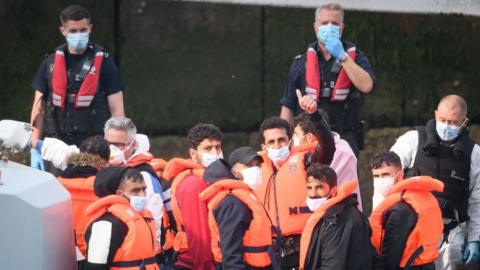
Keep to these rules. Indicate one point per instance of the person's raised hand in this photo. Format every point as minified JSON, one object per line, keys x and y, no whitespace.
{"x":308,"y":103}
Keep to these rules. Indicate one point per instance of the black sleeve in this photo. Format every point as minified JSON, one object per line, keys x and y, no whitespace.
{"x":111,"y":79}
{"x":40,"y":80}
{"x":289,"y":98}
{"x":233,"y":218}
{"x":363,"y":62}
{"x":117,"y":235}
{"x":399,"y":222}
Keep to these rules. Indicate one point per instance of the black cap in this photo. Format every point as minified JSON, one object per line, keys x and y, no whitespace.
{"x":243,"y":155}
{"x":107,"y":181}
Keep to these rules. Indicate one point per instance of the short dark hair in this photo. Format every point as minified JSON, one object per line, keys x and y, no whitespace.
{"x":323,"y":173}
{"x":74,"y":13}
{"x":96,"y":145}
{"x":276,"y":122}
{"x":130,"y":175}
{"x":304,"y":121}
{"x":387,"y":158}
{"x":201,"y":132}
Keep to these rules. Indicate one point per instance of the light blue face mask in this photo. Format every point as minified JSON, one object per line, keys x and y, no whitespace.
{"x":447,"y":132}
{"x":77,"y":41}
{"x":326,"y":31}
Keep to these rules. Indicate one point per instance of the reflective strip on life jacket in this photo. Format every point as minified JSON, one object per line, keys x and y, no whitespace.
{"x":347,"y":189}
{"x":257,"y":238}
{"x":426,"y":234}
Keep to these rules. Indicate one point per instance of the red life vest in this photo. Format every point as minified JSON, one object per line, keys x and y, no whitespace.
{"x":258,"y":238}
{"x":342,"y":193}
{"x":178,"y":169}
{"x":139,"y":247}
{"x":89,"y":86}
{"x":312,"y":77}
{"x":426,"y":234}
{"x":81,"y":192}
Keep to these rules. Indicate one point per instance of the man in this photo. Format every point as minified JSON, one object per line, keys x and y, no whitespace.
{"x":337,"y":235}
{"x":77,"y":86}
{"x":343,"y":160}
{"x":130,"y":149}
{"x":120,"y":233}
{"x":78,"y":179}
{"x":192,"y":241}
{"x":282,"y":191}
{"x":331,"y":75}
{"x":407,"y":224}
{"x":239,"y":225}
{"x":442,"y":149}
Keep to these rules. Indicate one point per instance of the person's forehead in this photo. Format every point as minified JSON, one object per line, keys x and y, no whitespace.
{"x":71,"y":24}
{"x":328,"y":14}
{"x":449,"y":110}
{"x":384,"y":169}
{"x":312,"y":181}
{"x":209,"y":142}
{"x":111,"y":134}
{"x":274,"y":133}
{"x":135,"y":184}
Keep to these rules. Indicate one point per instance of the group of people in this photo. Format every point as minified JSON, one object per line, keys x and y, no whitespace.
{"x":293,"y":204}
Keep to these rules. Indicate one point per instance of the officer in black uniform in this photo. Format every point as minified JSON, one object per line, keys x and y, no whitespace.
{"x":77,"y":86}
{"x":333,"y":57}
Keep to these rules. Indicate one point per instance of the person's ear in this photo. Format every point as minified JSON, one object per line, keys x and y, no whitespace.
{"x":193,"y":153}
{"x":62,"y":31}
{"x":236,"y":173}
{"x":342,"y":27}
{"x":309,"y":137}
{"x":264,"y":148}
{"x":401,"y":175}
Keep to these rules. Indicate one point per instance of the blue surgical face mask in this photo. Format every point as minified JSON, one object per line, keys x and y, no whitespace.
{"x":447,"y":132}
{"x":77,"y":41}
{"x":138,"y":203}
{"x":326,"y":31}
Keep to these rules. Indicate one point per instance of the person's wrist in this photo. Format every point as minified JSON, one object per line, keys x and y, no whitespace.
{"x":343,"y":57}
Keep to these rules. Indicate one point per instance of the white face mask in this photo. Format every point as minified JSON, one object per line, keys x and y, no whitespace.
{"x":208,"y":158}
{"x":296,"y":141}
{"x":252,"y":176}
{"x":138,"y":203}
{"x":117,"y":157}
{"x":314,"y":204}
{"x":383,"y":185}
{"x":277,"y":155}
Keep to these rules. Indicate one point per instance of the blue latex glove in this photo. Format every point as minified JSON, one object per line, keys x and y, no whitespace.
{"x":36,"y":160}
{"x":471,"y":254}
{"x":334,"y":46}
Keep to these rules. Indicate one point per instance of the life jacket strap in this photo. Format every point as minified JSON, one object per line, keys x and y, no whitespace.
{"x":139,"y":263}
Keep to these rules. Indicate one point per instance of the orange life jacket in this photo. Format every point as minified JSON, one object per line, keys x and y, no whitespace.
{"x":283,"y":193}
{"x":342,"y":193}
{"x":139,"y":248}
{"x":158,"y":164}
{"x":178,"y":169}
{"x":258,"y":237}
{"x":81,"y":192}
{"x":426,"y":234}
